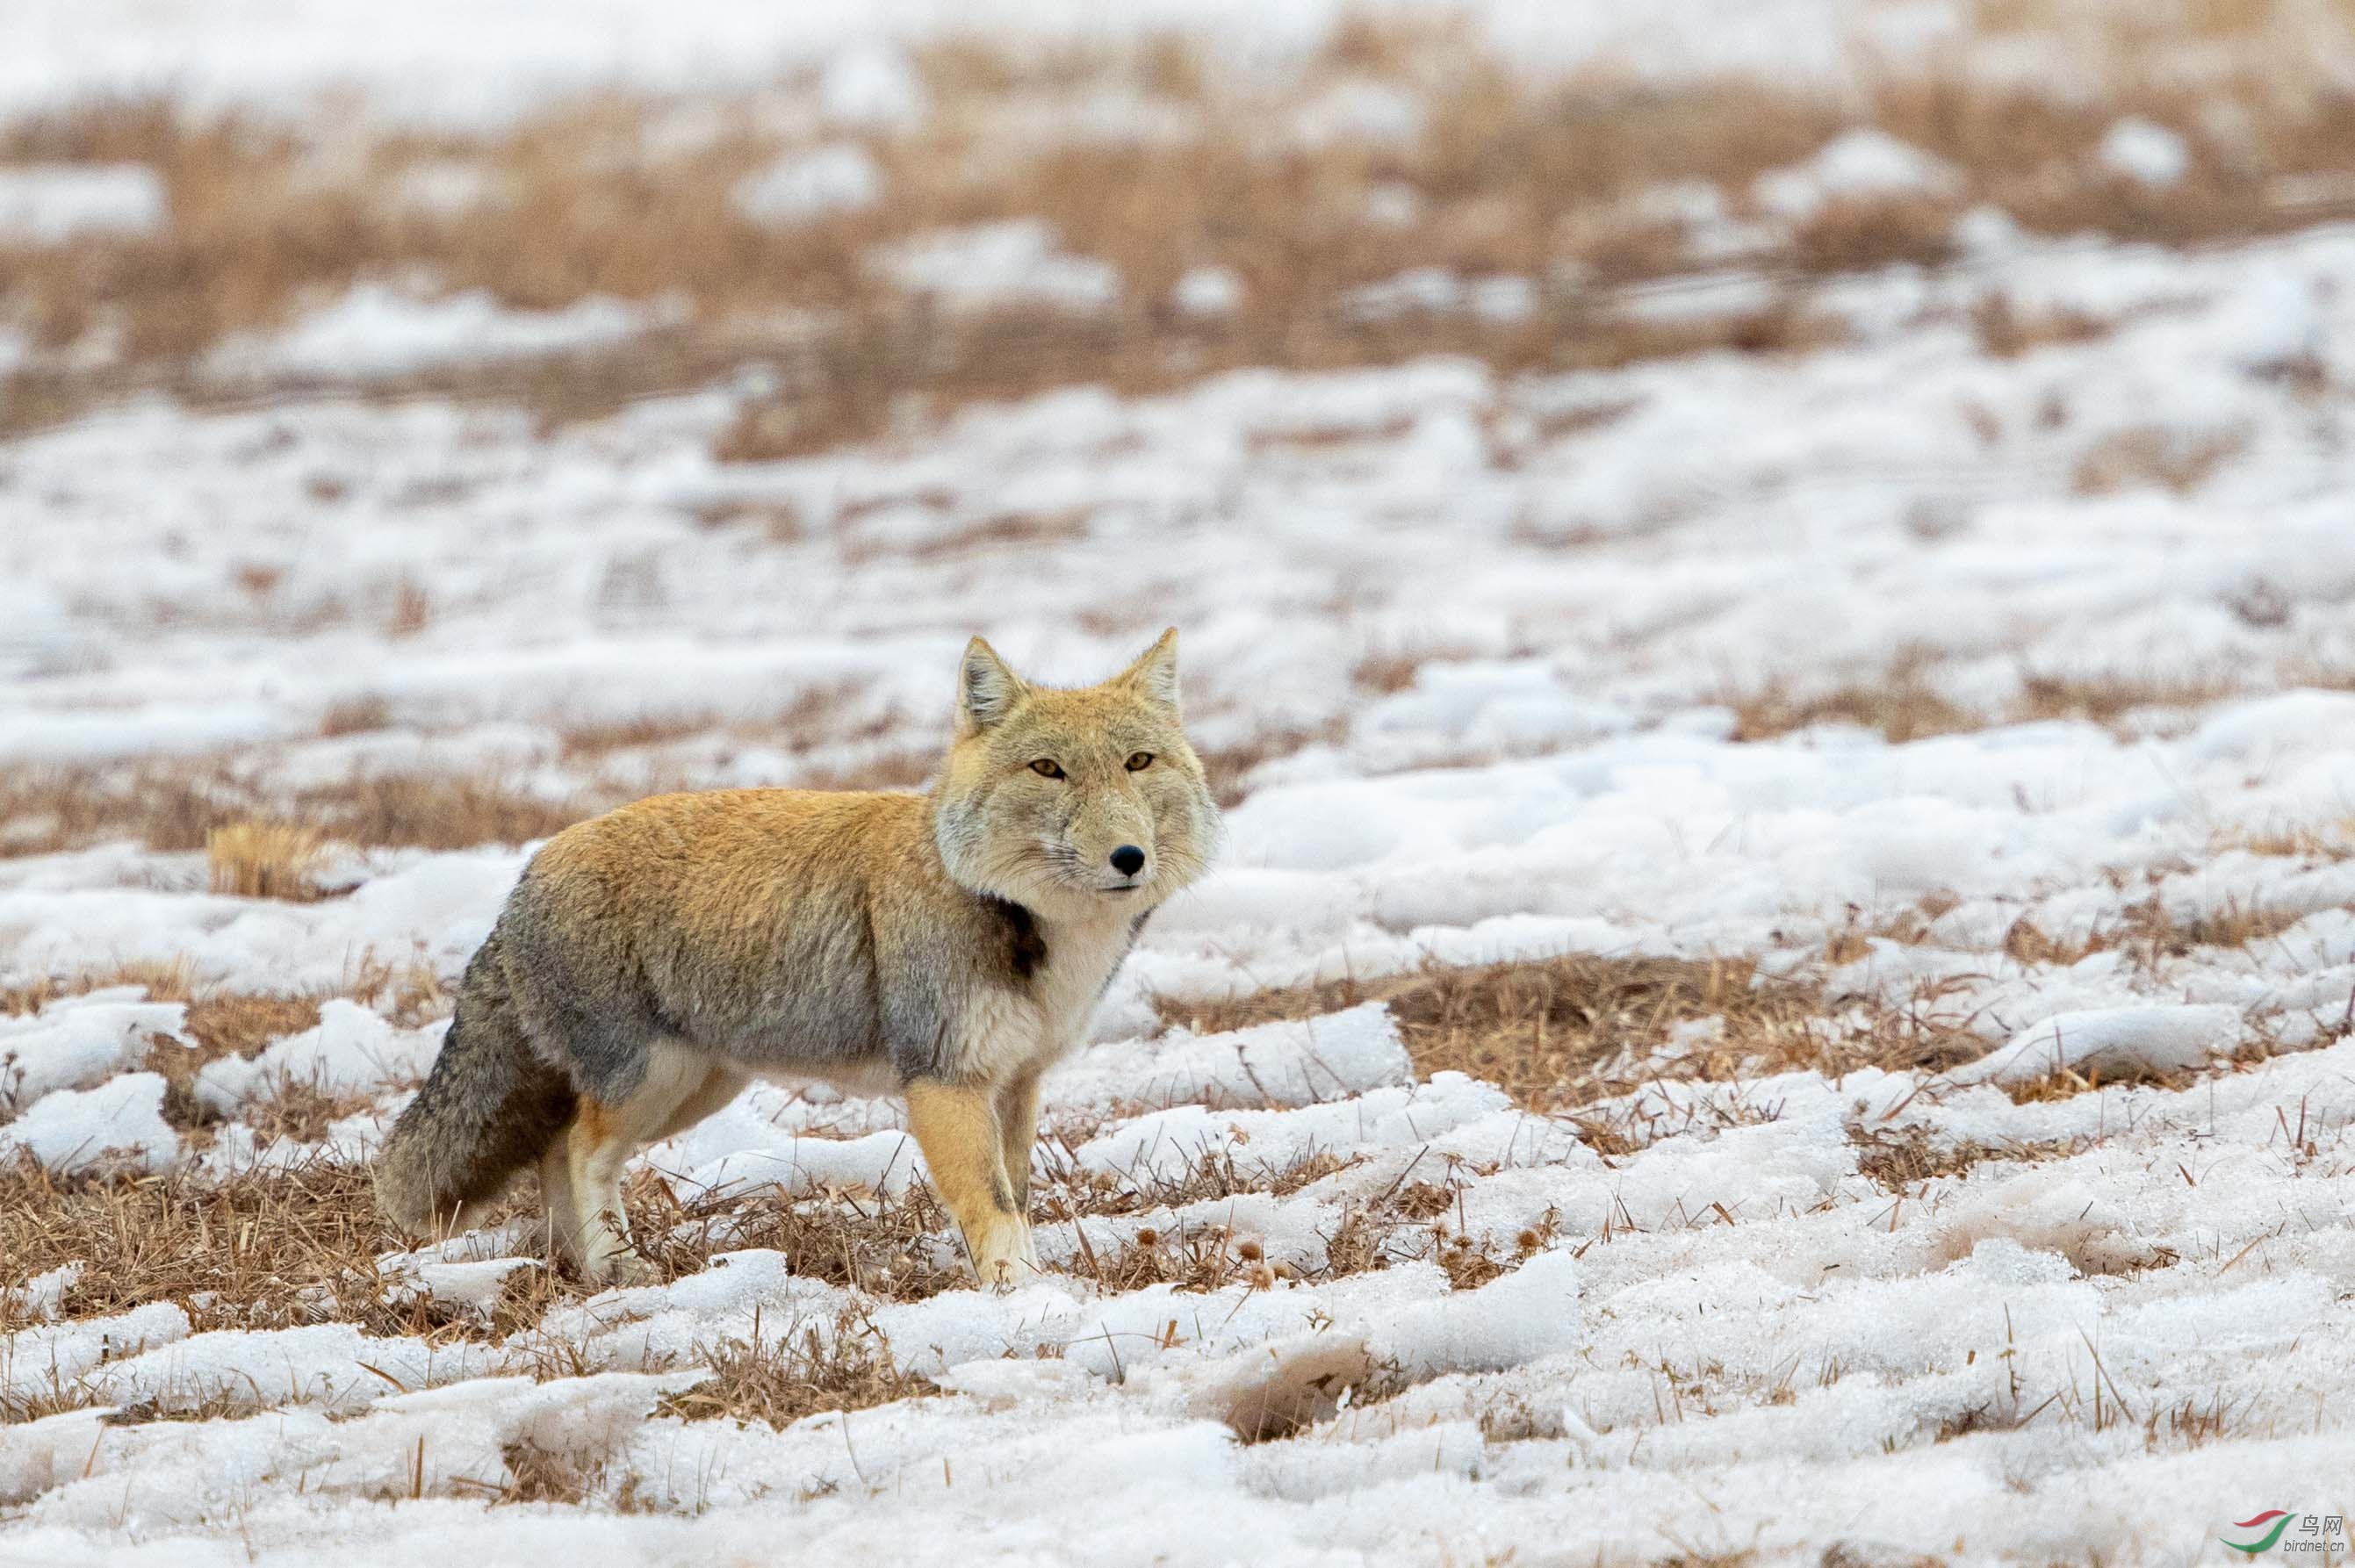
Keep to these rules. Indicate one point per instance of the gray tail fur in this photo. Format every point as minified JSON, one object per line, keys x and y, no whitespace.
{"x":490,"y":1106}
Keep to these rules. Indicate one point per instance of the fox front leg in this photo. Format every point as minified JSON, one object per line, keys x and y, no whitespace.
{"x":1018,"y":1128}
{"x":957,"y":1128}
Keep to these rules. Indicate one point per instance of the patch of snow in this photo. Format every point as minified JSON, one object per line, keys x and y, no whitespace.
{"x":1393,"y":204}
{"x":838,"y":177}
{"x":872,"y":85}
{"x":376,"y":332}
{"x":2145,"y":153}
{"x":443,"y":187}
{"x":76,"y":1041}
{"x":1360,"y":109}
{"x":118,"y":1123}
{"x":995,"y":265}
{"x":349,"y":1050}
{"x":47,"y":204}
{"x":1207,"y":291}
{"x":1862,"y":164}
{"x":1502,"y":299}
{"x":42,"y":1296}
{"x":2111,"y":1041}
{"x":1274,"y":1065}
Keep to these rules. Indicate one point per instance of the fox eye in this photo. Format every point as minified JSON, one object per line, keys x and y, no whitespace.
{"x":1046,"y":769}
{"x":1141,"y":761}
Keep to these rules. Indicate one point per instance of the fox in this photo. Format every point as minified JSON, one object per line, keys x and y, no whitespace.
{"x":948,"y":946}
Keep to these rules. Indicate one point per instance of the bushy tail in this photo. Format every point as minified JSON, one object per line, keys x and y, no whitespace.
{"x":490,"y":1106}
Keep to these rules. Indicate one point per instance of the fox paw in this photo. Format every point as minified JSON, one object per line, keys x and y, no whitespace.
{"x":621,"y":1269}
{"x":1007,"y":1270}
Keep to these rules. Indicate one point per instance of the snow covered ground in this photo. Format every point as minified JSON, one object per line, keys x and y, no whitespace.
{"x":453,"y":61}
{"x":1493,"y":668}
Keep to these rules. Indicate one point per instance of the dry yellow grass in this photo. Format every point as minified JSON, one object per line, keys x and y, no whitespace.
{"x":2303,"y":841}
{"x":2108,"y":698}
{"x":1904,"y":700}
{"x":778,"y":1383}
{"x":264,"y":859}
{"x":1901,"y":703}
{"x":244,"y":1248}
{"x":1559,"y":1034}
{"x":2155,"y":456}
{"x":2006,"y":330}
{"x":1903,"y":1159}
{"x":221,"y":1022}
{"x":183,"y":805}
{"x":166,"y":981}
{"x":1512,"y":172}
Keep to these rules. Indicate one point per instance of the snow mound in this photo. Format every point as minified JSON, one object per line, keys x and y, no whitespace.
{"x":375,"y":333}
{"x":2113,"y":1041}
{"x":1862,"y":164}
{"x":839,"y":177}
{"x":349,"y":1050}
{"x":119,"y":1122}
{"x":1273,"y":1065}
{"x":2147,"y":154}
{"x":76,"y":1041}
{"x":45,"y":204}
{"x":992,"y":266}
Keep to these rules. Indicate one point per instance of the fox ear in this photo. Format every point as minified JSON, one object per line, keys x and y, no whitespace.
{"x":1156,"y":673}
{"x":986,"y":689}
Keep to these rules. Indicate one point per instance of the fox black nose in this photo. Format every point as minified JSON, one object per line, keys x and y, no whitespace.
{"x":1128,"y":860}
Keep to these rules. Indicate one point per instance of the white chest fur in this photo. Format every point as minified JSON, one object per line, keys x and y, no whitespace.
{"x":1006,"y":1031}
{"x":1080,"y":958}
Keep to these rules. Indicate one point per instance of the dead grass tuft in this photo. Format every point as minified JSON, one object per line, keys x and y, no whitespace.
{"x":2068,"y":1082}
{"x":356,"y":716}
{"x":2331,"y":841}
{"x":2150,"y":456}
{"x":298,"y":1111}
{"x":2006,"y":330}
{"x":1561,"y":1033}
{"x":628,"y":734}
{"x":1392,"y":667}
{"x":1901,"y":703}
{"x":901,"y":1248}
{"x":436,"y":813}
{"x":1549,"y":1032}
{"x":1228,"y":768}
{"x":264,"y":859}
{"x":2190,"y":1423}
{"x":222,"y":1024}
{"x":183,"y":806}
{"x":262,"y":1249}
{"x":2149,"y":927}
{"x":2110,"y":697}
{"x":845,"y":1365}
{"x":2148,"y":932}
{"x":542,"y":1474}
{"x":1904,"y":703}
{"x":166,"y":981}
{"x":1903,"y":1159}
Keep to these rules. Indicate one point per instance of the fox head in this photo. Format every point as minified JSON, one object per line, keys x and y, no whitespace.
{"x":1074,"y":804}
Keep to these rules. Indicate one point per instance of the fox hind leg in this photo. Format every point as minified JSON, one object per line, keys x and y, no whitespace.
{"x":563,"y":1210}
{"x":680,"y":1088}
{"x":957,"y":1128}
